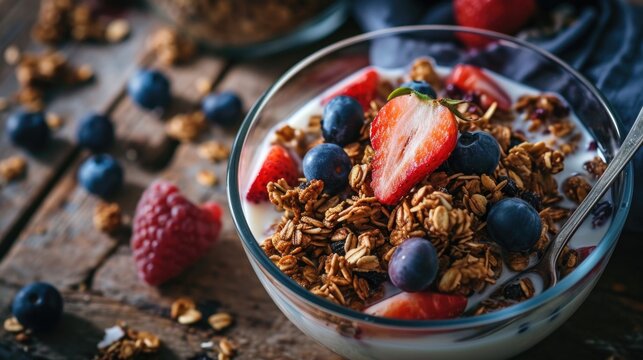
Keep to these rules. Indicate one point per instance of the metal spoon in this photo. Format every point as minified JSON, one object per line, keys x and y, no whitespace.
{"x":545,"y":267}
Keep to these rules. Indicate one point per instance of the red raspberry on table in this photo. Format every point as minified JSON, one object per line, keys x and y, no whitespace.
{"x":170,"y":233}
{"x":505,"y":16}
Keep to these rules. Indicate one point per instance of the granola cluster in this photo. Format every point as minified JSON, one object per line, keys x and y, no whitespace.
{"x":37,"y":72}
{"x":60,"y":20}
{"x":339,"y":246}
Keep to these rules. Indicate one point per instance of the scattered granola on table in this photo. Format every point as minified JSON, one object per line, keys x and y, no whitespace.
{"x":171,"y":47}
{"x":123,"y":342}
{"x":214,"y":151}
{"x":12,"y":168}
{"x":340,"y":245}
{"x":59,"y":21}
{"x":36,"y":72}
{"x":107,"y":217}
{"x":186,"y":127}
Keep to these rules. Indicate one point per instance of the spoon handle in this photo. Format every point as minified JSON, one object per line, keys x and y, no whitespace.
{"x":627,"y":150}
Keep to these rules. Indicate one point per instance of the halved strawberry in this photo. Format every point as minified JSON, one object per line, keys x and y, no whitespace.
{"x":411,"y":135}
{"x":419,"y":306}
{"x":278,"y":164}
{"x":362,"y":89}
{"x":471,"y":78}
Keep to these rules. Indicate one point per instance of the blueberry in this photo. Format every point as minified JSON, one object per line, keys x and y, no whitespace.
{"x":514,"y":224}
{"x":422,"y":87}
{"x":101,"y":175}
{"x":28,"y":130}
{"x":475,"y":153}
{"x":224,"y":108}
{"x":414,"y":265}
{"x":342,"y":120}
{"x":38,"y":306}
{"x":330,"y":164}
{"x":150,"y":89}
{"x":95,"y":132}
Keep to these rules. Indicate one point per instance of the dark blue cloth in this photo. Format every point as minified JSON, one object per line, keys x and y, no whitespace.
{"x":605,"y":43}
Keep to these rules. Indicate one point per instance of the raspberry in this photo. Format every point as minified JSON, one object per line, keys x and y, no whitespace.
{"x":170,"y":233}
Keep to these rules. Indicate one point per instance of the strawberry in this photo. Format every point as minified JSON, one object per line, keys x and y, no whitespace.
{"x":505,"y":16}
{"x":584,"y":252}
{"x":472,"y":79}
{"x":277,"y":165}
{"x":362,"y":89}
{"x":419,"y":306}
{"x":169,"y":232}
{"x":411,"y":135}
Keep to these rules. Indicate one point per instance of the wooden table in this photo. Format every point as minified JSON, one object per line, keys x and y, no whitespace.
{"x":46,"y":230}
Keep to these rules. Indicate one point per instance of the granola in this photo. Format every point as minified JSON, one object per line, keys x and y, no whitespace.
{"x":339,"y":246}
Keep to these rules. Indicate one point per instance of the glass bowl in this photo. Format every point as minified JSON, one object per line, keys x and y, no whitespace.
{"x":265,"y":28}
{"x":499,"y":334}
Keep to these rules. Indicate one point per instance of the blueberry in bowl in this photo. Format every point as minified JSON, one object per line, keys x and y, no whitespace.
{"x":329,"y":163}
{"x":342,"y":120}
{"x":475,"y":153}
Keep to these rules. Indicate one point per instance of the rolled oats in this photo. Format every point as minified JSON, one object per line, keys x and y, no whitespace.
{"x":12,"y":168}
{"x":214,"y":151}
{"x":186,"y":127}
{"x":11,"y":324}
{"x":220,"y":321}
{"x":107,"y":217}
{"x":207,"y":178}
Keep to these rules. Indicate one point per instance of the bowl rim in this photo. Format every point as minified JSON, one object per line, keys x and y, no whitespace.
{"x":253,"y":248}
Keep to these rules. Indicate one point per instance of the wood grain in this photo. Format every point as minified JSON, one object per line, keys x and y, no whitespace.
{"x":61,"y":238}
{"x":112,"y":64}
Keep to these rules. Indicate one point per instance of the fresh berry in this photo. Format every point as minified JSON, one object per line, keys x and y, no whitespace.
{"x":362,"y":89}
{"x":150,"y":89}
{"x":277,"y":165}
{"x":101,"y":175}
{"x":95,"y":132}
{"x":342,"y":120}
{"x":475,"y":153}
{"x":224,"y":108}
{"x":514,"y":224}
{"x":472,"y":80}
{"x":38,"y":306}
{"x":330,"y":164}
{"x":28,"y":130}
{"x":419,"y":306}
{"x":584,"y":252}
{"x":414,"y":265}
{"x":422,"y":87}
{"x":411,"y":137}
{"x":505,"y":16}
{"x":170,"y":233}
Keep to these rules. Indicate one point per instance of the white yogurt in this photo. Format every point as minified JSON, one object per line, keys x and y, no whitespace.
{"x":262,"y":216}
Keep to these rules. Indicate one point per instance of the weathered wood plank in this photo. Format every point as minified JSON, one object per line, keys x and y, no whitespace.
{"x":112,"y":63}
{"x":82,"y":327}
{"x":70,"y":249}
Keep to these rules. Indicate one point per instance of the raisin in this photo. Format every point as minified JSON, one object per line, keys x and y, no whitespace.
{"x":602,"y":212}
{"x":374,"y":278}
{"x":338,"y":247}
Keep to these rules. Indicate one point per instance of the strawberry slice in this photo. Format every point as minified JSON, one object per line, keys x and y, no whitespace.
{"x":584,"y":252}
{"x":419,"y":306}
{"x":469,"y":78}
{"x":278,"y":164}
{"x":411,"y":135}
{"x":362,"y":89}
